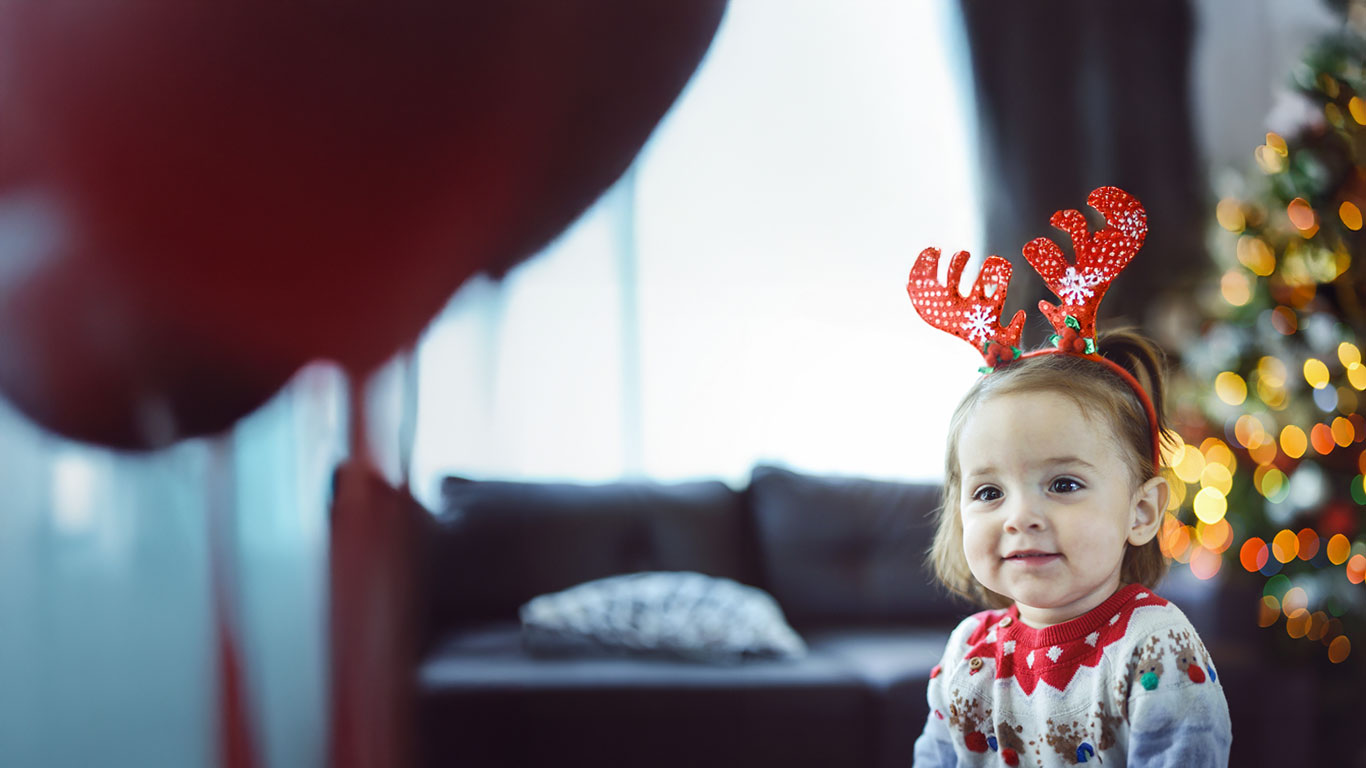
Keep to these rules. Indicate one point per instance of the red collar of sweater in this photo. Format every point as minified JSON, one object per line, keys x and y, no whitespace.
{"x":1054,"y":654}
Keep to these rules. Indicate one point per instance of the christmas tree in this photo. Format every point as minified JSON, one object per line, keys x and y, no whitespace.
{"x":1268,"y":477}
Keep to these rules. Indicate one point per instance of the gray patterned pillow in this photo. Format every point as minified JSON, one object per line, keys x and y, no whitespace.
{"x":675,"y":614}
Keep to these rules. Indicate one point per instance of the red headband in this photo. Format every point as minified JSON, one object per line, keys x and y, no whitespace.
{"x":976,"y":317}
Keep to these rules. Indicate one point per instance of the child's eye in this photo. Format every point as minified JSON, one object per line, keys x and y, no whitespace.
{"x":986,"y":493}
{"x":1065,"y":485}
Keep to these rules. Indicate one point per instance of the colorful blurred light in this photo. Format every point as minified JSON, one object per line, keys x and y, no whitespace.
{"x":1256,"y":255}
{"x":1263,"y":453}
{"x":1350,"y":215}
{"x":1356,"y":376}
{"x":1229,"y":212}
{"x":1321,"y":437}
{"x":1271,"y":483}
{"x":1318,"y":621}
{"x":1285,"y":546}
{"x":1283,"y":319}
{"x":1343,"y":432}
{"x":1339,"y":649}
{"x":1316,"y":373}
{"x":1301,"y":215}
{"x":1293,"y":441}
{"x":1253,"y":554}
{"x":1204,"y":564}
{"x":1268,"y":611}
{"x":1216,"y":451}
{"x":1235,"y":288}
{"x":1210,"y":505}
{"x":1297,"y":623}
{"x":1218,"y":477}
{"x":1230,"y":387}
{"x":1309,"y":543}
{"x":1189,"y":463}
{"x":1272,"y":370}
{"x":1338,"y":548}
{"x":1294,"y":600}
{"x":1215,"y":537}
{"x":1356,"y":568}
{"x":1358,"y":109}
{"x":1348,"y":353}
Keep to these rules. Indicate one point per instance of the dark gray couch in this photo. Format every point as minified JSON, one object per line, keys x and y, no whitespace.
{"x":843,"y":557}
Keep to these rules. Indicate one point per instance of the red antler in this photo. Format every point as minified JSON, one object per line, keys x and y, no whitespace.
{"x":974,"y":318}
{"x":1100,"y":258}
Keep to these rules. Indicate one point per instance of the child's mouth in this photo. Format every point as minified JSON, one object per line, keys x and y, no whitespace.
{"x":1032,"y":557}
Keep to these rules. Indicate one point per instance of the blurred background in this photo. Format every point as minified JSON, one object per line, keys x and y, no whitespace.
{"x":738,"y":298}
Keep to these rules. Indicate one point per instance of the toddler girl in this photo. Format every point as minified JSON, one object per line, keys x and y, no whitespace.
{"x":1052,"y":504}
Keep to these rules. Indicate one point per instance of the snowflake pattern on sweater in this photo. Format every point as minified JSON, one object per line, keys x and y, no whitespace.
{"x":1129,"y":682}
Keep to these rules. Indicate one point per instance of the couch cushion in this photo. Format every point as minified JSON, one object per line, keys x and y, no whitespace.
{"x":857,"y":698}
{"x":496,"y":545}
{"x":840,"y":550}
{"x":679,"y":614}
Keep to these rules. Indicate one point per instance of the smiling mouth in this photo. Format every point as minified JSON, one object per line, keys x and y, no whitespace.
{"x":1031,"y":556}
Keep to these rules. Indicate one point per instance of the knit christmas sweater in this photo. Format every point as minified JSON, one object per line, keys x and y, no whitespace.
{"x":1128,"y":683}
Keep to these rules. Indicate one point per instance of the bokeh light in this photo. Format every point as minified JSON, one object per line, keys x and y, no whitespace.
{"x":1204,"y":564}
{"x":1339,"y":649}
{"x":1283,"y":319}
{"x":1285,"y":546}
{"x":1235,"y":288}
{"x":1230,"y":387}
{"x":1189,"y":464}
{"x":1343,"y":432}
{"x":1309,"y":543}
{"x":1256,"y":255}
{"x":1218,"y":477}
{"x":1229,"y":212}
{"x":1253,"y":554}
{"x":1316,"y":373}
{"x":1356,"y":376}
{"x":1348,"y":353}
{"x":1356,"y":568}
{"x":1295,"y":600}
{"x":1293,"y":441}
{"x":1271,"y":483}
{"x":1264,"y":452}
{"x":1216,"y":451}
{"x":1321,"y":437}
{"x":1318,"y":622}
{"x":1210,"y":505}
{"x":1350,"y":215}
{"x":1297,"y":623}
{"x":1272,"y":370}
{"x":1216,"y":537}
{"x":1358,"y":109}
{"x":1302,"y":215}
{"x":1338,"y":548}
{"x":1268,"y":611}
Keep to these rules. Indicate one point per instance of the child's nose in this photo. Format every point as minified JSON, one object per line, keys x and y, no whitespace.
{"x":1024,"y":515}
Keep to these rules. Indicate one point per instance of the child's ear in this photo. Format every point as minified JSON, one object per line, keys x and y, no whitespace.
{"x":1150,"y":501}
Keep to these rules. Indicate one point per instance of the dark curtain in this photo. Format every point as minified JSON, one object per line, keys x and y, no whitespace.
{"x":1077,"y":94}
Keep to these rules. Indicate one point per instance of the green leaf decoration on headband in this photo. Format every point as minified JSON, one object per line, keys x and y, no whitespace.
{"x":1071,"y":322}
{"x":1055,"y":339}
{"x":1090,"y":346}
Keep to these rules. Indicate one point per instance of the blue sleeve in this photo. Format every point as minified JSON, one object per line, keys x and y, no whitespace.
{"x":933,"y":748}
{"x":1181,"y":724}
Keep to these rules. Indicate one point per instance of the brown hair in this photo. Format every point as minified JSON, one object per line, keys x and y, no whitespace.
{"x":1100,"y":393}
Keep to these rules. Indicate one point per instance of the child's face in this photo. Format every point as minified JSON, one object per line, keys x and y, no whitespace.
{"x":1048,"y":504}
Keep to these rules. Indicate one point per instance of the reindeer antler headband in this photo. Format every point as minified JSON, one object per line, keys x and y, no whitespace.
{"x":976,"y":317}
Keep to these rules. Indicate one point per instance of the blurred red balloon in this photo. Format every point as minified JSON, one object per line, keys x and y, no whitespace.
{"x":196,"y":198}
